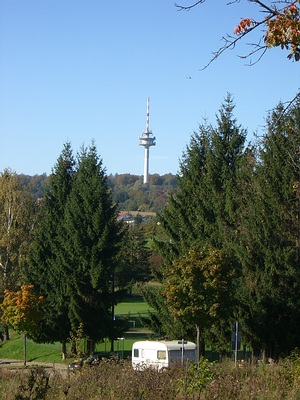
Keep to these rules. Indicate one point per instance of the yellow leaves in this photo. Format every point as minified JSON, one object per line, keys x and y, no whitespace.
{"x":22,"y":309}
{"x":194,"y":283}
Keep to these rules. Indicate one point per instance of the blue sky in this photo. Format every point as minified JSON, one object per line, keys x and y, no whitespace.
{"x":77,"y":70}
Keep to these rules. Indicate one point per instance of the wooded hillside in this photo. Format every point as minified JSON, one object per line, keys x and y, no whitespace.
{"x":127,"y":190}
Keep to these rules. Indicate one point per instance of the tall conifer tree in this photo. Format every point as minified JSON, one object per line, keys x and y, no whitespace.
{"x":203,"y":211}
{"x":90,"y":246}
{"x":269,"y":239}
{"x":45,"y":266}
{"x":73,"y":255}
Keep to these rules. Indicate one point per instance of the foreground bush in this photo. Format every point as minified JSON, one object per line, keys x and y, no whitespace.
{"x":112,"y":380}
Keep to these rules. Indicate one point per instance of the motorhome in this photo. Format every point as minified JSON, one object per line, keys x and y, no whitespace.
{"x":161,"y":354}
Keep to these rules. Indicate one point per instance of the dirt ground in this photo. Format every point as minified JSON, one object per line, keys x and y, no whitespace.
{"x":17,"y":364}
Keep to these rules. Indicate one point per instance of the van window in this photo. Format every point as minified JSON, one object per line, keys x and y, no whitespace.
{"x":161,"y":354}
{"x":136,"y":353}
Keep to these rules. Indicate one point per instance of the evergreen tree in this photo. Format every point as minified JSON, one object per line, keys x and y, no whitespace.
{"x":133,"y":261}
{"x":45,"y":266}
{"x":182,"y":217}
{"x":223,"y":170}
{"x":90,"y":247}
{"x":74,"y":253}
{"x":269,"y":240}
{"x":203,"y":212}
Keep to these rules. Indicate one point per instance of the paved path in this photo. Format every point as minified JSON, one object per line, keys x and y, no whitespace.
{"x":15,"y":364}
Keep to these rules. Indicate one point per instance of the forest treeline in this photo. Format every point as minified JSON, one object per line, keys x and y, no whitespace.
{"x":128,"y":190}
{"x":224,"y":247}
{"x":230,"y":237}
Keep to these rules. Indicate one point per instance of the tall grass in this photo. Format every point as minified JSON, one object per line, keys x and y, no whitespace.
{"x":116,"y":380}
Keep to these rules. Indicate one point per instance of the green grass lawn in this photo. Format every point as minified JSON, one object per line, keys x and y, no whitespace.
{"x":132,"y":305}
{"x":14,"y":348}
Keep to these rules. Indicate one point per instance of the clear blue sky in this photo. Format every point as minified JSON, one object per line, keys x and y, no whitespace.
{"x":77,"y":70}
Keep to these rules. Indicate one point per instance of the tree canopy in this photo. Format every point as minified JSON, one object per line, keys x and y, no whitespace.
{"x":231,"y":234}
{"x":74,"y":251}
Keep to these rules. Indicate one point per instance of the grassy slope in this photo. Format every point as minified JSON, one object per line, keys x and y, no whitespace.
{"x":132,"y":305}
{"x":51,"y":352}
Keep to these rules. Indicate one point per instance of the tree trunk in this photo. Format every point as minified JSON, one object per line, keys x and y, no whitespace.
{"x":90,"y":346}
{"x":200,"y":344}
{"x":25,"y":349}
{"x":63,"y":350}
{"x":112,"y":349}
{"x":73,"y":348}
{"x":5,"y":333}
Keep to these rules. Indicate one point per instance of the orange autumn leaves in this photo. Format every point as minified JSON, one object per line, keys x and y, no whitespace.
{"x":22,"y":309}
{"x":243,"y":26}
{"x":282,"y":29}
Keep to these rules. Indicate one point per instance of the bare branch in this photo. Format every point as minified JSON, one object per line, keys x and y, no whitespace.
{"x":188,"y":8}
{"x":263,"y":50}
{"x":272,"y":11}
{"x":230,"y":42}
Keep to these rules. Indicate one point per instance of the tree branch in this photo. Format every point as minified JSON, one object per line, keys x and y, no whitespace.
{"x":230,"y":44}
{"x":188,"y":8}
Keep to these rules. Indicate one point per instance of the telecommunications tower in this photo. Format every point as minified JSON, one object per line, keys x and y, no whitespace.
{"x":147,"y":140}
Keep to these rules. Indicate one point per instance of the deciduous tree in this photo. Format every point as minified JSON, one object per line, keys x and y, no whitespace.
{"x":17,"y":218}
{"x":196,"y":288}
{"x":23,"y":311}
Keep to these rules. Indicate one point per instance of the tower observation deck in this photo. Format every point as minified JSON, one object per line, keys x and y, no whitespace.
{"x":147,"y":140}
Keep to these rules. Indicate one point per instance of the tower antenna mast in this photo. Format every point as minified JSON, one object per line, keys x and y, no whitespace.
{"x":147,"y":115}
{"x":147,"y":140}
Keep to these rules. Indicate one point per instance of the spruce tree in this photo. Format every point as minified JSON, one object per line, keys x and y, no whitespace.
{"x":45,"y":267}
{"x":203,"y":211}
{"x":73,"y":256}
{"x":90,"y":247}
{"x":133,"y":262}
{"x":268,"y":234}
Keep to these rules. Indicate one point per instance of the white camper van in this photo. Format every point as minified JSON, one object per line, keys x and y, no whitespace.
{"x":161,"y":354}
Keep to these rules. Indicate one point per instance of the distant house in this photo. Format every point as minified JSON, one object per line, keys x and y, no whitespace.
{"x":130,"y":217}
{"x":125,"y":217}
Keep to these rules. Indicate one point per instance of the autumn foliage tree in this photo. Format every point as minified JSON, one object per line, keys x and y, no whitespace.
{"x":281,"y":27}
{"x":22,"y":310}
{"x":197,"y":289}
{"x":17,"y":219}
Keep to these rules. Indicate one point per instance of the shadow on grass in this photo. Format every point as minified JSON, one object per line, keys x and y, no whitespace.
{"x":38,"y":358}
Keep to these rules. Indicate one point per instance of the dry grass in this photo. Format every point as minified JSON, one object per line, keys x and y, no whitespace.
{"x":113,"y":380}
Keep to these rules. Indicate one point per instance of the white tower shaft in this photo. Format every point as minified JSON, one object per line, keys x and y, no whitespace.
{"x":147,"y":140}
{"x":146,"y":165}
